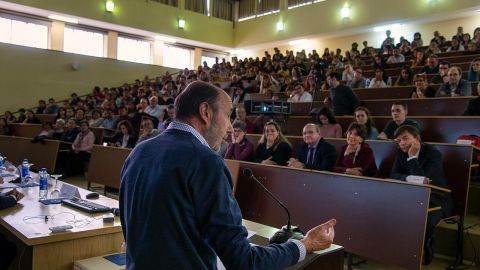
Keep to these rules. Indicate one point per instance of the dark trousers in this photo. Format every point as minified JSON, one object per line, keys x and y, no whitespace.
{"x":8,"y":251}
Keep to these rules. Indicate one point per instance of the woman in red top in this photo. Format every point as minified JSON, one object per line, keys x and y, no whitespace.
{"x":357,"y":158}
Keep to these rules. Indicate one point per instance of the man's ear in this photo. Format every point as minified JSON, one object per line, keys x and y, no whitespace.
{"x":205,"y":112}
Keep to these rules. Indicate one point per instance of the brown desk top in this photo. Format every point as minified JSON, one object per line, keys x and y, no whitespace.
{"x":26,"y":219}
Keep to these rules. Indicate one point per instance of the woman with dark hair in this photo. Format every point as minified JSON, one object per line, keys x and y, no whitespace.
{"x":8,"y":115}
{"x":273,"y":147}
{"x":417,"y":37}
{"x":420,"y":59}
{"x":125,"y":136}
{"x":379,"y":62}
{"x":406,"y":76}
{"x":239,"y":95}
{"x":61,"y":114}
{"x":31,"y":118}
{"x":4,"y":128}
{"x":364,"y":117}
{"x":329,"y":127}
{"x":421,"y":89}
{"x":357,"y":158}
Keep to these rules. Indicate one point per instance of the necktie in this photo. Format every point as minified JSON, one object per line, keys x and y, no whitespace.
{"x":311,"y":155}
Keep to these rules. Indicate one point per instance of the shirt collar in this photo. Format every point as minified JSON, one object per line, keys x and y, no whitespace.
{"x":314,"y":146}
{"x":187,"y":128}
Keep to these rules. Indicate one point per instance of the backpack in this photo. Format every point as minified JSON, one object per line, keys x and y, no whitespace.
{"x":474,"y":140}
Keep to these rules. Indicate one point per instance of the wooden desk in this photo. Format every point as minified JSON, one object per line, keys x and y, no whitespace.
{"x":25,"y":130}
{"x":106,"y":164}
{"x":328,"y":259}
{"x":41,"y":249}
{"x":379,"y":219}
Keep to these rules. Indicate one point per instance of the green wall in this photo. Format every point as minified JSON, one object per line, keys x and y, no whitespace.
{"x":28,"y":74}
{"x":145,"y":15}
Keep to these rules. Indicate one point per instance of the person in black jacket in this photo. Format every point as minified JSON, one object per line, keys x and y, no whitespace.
{"x":314,"y":152}
{"x":273,"y":148}
{"x":7,"y":248}
{"x":420,"y":159}
{"x":344,"y":100}
{"x":125,"y":136}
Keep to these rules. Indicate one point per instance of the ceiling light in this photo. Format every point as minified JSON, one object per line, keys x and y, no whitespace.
{"x":63,"y":19}
{"x":181,"y":23}
{"x":345,"y":12}
{"x":109,"y":5}
{"x":280,"y":26}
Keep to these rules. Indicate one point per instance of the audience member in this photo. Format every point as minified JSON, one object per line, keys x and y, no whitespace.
{"x":147,"y":130}
{"x":329,"y":127}
{"x":8,"y":115}
{"x":474,"y":71}
{"x":300,"y":95}
{"x":239,"y":95}
{"x":364,"y":117}
{"x":154,"y":109}
{"x":52,"y":107}
{"x":396,"y":57}
{"x":348,"y":73}
{"x":399,"y":115}
{"x":473,"y":108}
{"x":358,"y":80}
{"x":357,"y":157}
{"x":273,"y":147}
{"x":419,"y":59}
{"x":81,"y":148}
{"x":406,"y":77}
{"x":58,"y":129}
{"x":4,"y":127}
{"x":31,"y":118}
{"x":441,"y":77}
{"x":125,"y":136}
{"x":417,"y":37}
{"x":241,"y":115}
{"x":377,"y":81}
{"x":71,"y":131}
{"x":455,"y":46}
{"x":456,"y":86}
{"x":21,"y":115}
{"x":42,"y":107}
{"x":415,"y":158}
{"x":432,"y":65}
{"x":314,"y":152}
{"x":422,"y":89}
{"x":344,"y":100}
{"x":240,"y":148}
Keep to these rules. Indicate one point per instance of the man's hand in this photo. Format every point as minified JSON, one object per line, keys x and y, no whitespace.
{"x":427,"y":181}
{"x":14,"y":192}
{"x":320,"y":237}
{"x":292,"y":162}
{"x":269,"y":161}
{"x":354,"y":171}
{"x":239,"y":139}
{"x":414,"y":148}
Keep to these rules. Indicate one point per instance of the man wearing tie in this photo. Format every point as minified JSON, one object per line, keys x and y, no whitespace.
{"x":314,"y":152}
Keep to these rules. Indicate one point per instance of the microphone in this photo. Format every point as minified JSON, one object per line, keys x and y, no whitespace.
{"x":115,"y":211}
{"x":288,"y":231}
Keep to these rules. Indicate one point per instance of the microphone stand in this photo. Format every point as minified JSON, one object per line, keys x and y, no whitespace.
{"x":286,"y":232}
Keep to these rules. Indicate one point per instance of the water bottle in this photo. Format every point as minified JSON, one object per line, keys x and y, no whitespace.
{"x":43,"y":181}
{"x":389,"y":81}
{"x":367,"y":83}
{"x":25,"y":171}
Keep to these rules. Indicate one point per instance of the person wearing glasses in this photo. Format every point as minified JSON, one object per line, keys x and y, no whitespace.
{"x":441,"y":77}
{"x":422,"y":89}
{"x":456,"y":86}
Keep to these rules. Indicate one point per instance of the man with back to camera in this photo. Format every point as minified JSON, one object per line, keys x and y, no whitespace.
{"x":314,"y":152}
{"x":399,"y":118}
{"x":421,"y":159}
{"x":179,"y":212}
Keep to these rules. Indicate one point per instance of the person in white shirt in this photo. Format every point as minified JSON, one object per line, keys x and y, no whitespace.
{"x":300,"y":95}
{"x":154,"y":109}
{"x":377,"y":81}
{"x":396,"y":57}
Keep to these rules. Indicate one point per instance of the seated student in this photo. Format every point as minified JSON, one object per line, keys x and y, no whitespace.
{"x":4,"y":127}
{"x":441,"y":77}
{"x":147,"y":131}
{"x":81,"y":148}
{"x":7,"y":248}
{"x":240,"y":148}
{"x":46,"y":132}
{"x":422,"y":89}
{"x":474,"y":71}
{"x":273,"y":147}
{"x":358,"y":80}
{"x":356,"y":156}
{"x":96,"y":119}
{"x":300,"y":95}
{"x":456,"y":86}
{"x":405,"y":78}
{"x":329,"y":127}
{"x":31,"y":118}
{"x":58,"y":129}
{"x":377,"y":81}
{"x":399,"y":115}
{"x":314,"y":152}
{"x":71,"y":131}
{"x":432,"y":65}
{"x":473,"y":108}
{"x":364,"y":117}
{"x":125,"y":136}
{"x":241,"y":115}
{"x":420,"y":159}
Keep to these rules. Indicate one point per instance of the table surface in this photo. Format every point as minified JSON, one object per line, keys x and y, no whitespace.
{"x":26,"y":220}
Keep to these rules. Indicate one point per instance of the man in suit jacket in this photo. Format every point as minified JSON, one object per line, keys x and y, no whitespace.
{"x":314,"y":152}
{"x":7,"y":248}
{"x":421,"y":159}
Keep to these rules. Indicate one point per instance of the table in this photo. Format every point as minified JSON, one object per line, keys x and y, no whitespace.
{"x":25,"y":225}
